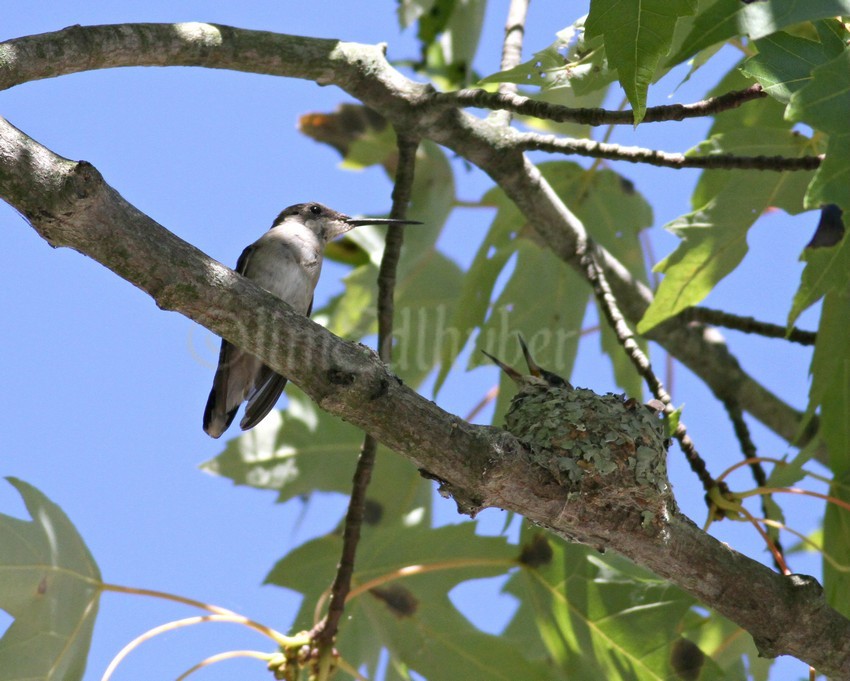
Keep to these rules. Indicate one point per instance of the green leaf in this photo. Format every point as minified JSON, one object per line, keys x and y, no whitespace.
{"x":460,"y":39}
{"x":427,"y":289}
{"x":766,"y":112}
{"x":637,"y":36}
{"x":596,"y":617}
{"x":714,"y":237}
{"x":824,"y":101}
{"x":823,"y":104}
{"x":545,"y":301}
{"x":831,"y":183}
{"x":450,"y":31}
{"x":411,"y":10}
{"x":427,"y":283}
{"x":768,"y":16}
{"x":297,"y":451}
{"x":789,"y":473}
{"x":548,"y":313}
{"x":827,"y":269}
{"x":727,"y":18}
{"x":785,"y":63}
{"x":303,"y":450}
{"x":830,"y":392}
{"x":614,"y":213}
{"x":836,"y":539}
{"x":830,"y":389}
{"x":716,"y":23}
{"x":478,"y":282}
{"x":573,"y":61}
{"x":625,"y":373}
{"x":671,"y":421}
{"x":405,"y":571}
{"x":728,"y":646}
{"x":51,"y":586}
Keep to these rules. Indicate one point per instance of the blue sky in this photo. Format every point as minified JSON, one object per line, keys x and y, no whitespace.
{"x":104,"y":392}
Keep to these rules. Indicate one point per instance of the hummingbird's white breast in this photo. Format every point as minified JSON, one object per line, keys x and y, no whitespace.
{"x":287,"y":262}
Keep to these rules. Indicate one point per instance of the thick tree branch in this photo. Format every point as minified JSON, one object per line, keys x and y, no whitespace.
{"x":69,"y":204}
{"x":363,"y":72}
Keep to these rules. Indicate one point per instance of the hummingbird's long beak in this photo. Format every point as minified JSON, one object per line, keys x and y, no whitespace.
{"x":359,"y":222}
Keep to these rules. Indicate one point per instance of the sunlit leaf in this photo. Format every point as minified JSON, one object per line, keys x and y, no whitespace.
{"x":831,"y":183}
{"x":768,"y":16}
{"x":597,"y":617}
{"x":725,"y":19}
{"x":449,"y":32}
{"x":613,"y":211}
{"x":824,"y":101}
{"x":823,"y":104}
{"x":637,"y":36}
{"x":714,"y":237}
{"x":729,"y":646}
{"x":572,"y":61}
{"x":405,"y":571}
{"x":51,"y":586}
{"x":766,"y":112}
{"x":545,"y":301}
{"x":784,"y":63}
{"x":827,"y":269}
{"x":830,"y":391}
{"x":410,"y":10}
{"x":427,"y":290}
{"x":296,"y":452}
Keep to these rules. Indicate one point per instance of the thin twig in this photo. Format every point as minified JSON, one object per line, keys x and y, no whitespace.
{"x":608,"y":302}
{"x":531,"y":141}
{"x":526,"y":106}
{"x":748,"y":448}
{"x":511,"y":53}
{"x":747,"y":325}
{"x":325,"y":632}
{"x":491,"y":395}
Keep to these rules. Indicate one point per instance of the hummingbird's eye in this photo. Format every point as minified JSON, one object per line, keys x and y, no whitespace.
{"x":316,"y":210}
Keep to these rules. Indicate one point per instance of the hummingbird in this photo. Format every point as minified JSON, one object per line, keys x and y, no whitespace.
{"x":286,"y":261}
{"x":537,"y":374}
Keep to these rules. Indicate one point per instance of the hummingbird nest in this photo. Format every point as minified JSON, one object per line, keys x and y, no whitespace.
{"x":607,"y":448}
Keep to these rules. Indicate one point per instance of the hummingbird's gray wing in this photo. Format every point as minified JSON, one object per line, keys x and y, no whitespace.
{"x":271,"y":385}
{"x":233,"y":376}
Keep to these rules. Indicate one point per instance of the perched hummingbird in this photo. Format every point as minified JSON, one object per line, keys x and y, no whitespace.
{"x":286,"y":261}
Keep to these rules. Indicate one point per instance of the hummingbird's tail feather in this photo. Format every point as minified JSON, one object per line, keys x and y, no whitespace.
{"x":217,"y":417}
{"x":271,"y":386}
{"x":216,"y":420}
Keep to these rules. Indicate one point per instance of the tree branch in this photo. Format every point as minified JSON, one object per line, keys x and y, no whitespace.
{"x":748,"y":325}
{"x":363,"y":72}
{"x":530,"y":141}
{"x":525,"y":106}
{"x":511,"y":53}
{"x":327,"y":629}
{"x":608,"y":303}
{"x":69,"y":204}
